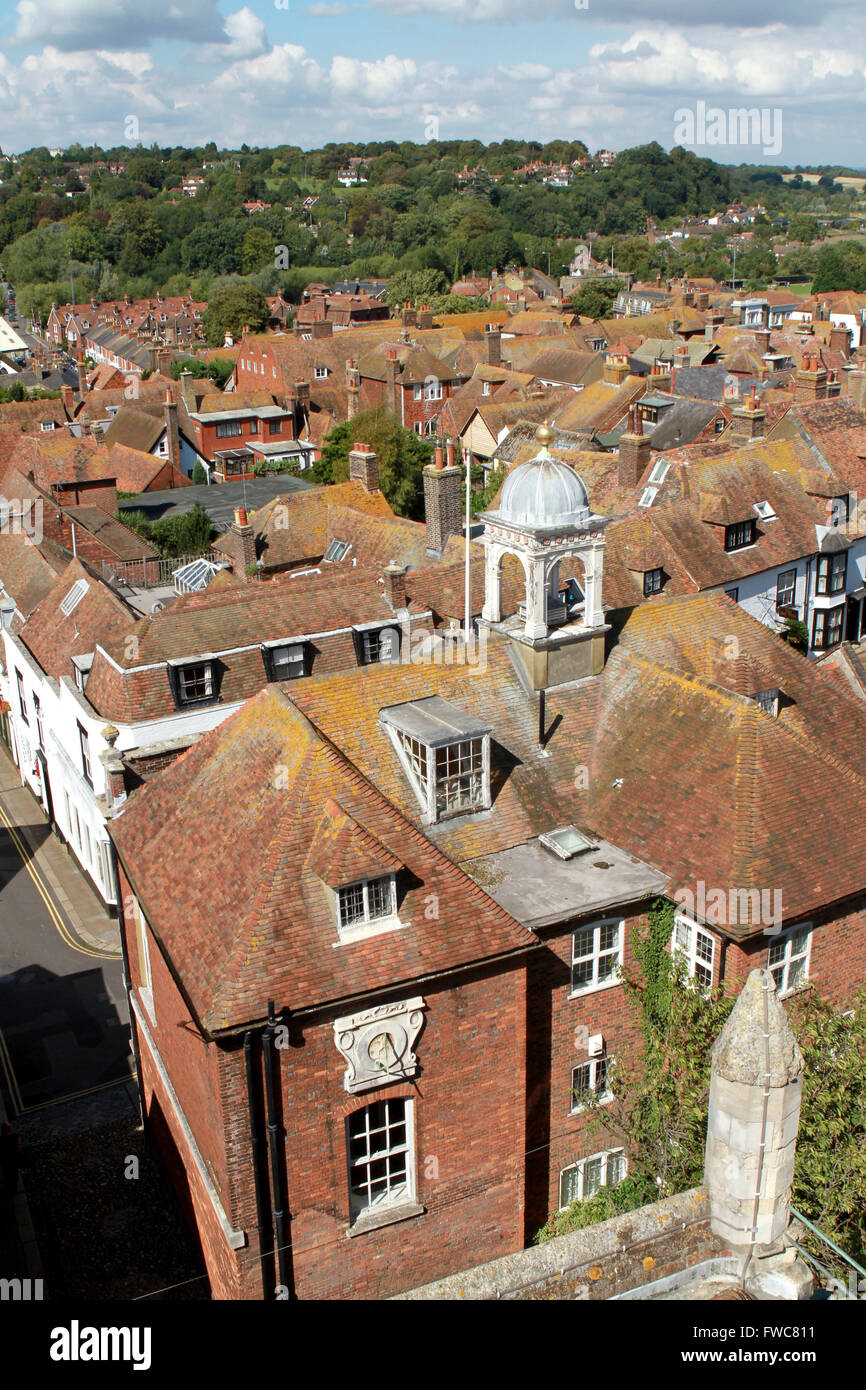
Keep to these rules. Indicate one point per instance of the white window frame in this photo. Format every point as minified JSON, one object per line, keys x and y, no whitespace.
{"x":320,"y":373}
{"x":596,"y":954}
{"x":145,"y":988}
{"x":367,"y":926}
{"x":580,"y":1168}
{"x":417,"y":393}
{"x":180,"y":673}
{"x":689,"y":953}
{"x":593,"y":1063}
{"x":425,"y":783}
{"x":405,"y":1193}
{"x":785,"y":939}
{"x":790,"y":587}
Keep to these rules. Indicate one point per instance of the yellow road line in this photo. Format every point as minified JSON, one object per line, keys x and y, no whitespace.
{"x":60,"y":926}
{"x":9,"y":1072}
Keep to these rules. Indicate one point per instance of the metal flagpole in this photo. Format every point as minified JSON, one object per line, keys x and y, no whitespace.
{"x":466,"y":618}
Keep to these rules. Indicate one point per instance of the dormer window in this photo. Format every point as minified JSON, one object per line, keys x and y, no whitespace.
{"x":652,"y":582}
{"x":361,"y":904}
{"x":194,"y":682}
{"x":768,"y":701}
{"x":740,"y":534}
{"x":321,"y":373}
{"x":286,"y":662}
{"x":445,"y":754}
{"x":838,"y":510}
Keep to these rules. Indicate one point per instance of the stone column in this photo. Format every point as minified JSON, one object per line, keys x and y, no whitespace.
{"x":536,"y":617}
{"x":593,"y":559}
{"x":755,"y":1091}
{"x":492,"y":610}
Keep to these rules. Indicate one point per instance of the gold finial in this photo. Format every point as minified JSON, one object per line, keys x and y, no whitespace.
{"x":545,"y":435}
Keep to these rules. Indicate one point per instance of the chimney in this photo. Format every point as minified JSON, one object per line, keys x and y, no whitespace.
{"x":840,"y":339}
{"x":660,"y":376}
{"x":67,"y":395}
{"x":409,"y":318}
{"x":163,"y":362}
{"x":395,"y":585}
{"x":634,"y":451}
{"x":615,"y":368}
{"x":425,"y":317}
{"x":857,"y":387}
{"x":493,"y":339}
{"x":392,"y":390}
{"x":443,"y":500}
{"x":810,"y":379}
{"x":243,"y":543}
{"x":353,"y":387}
{"x":762,"y":340}
{"x":322,"y":328}
{"x":364,"y":467}
{"x":302,"y":395}
{"x":187,"y":390}
{"x":748,"y":419}
{"x":171,"y":431}
{"x":82,"y":376}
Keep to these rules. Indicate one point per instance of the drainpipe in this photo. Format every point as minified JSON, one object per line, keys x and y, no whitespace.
{"x":273,"y":1140}
{"x":264,"y":1227}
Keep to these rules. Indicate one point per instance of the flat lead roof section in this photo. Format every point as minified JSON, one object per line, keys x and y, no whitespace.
{"x":434,"y":721}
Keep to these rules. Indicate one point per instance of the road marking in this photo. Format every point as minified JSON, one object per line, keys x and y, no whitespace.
{"x":65,"y":933}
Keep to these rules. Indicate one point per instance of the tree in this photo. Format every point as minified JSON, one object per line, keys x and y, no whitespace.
{"x":415,"y":285}
{"x":661,"y":1097}
{"x":400,"y":452}
{"x":231,"y":308}
{"x":199,"y":474}
{"x":594,"y":299}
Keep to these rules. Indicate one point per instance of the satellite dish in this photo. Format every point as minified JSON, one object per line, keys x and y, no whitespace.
{"x":158,"y":606}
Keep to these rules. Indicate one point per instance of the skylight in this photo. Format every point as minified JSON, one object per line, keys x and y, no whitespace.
{"x":765,"y":511}
{"x":74,"y":597}
{"x":648,"y":497}
{"x":659,"y":473}
{"x":336,"y":551}
{"x":567,"y":842}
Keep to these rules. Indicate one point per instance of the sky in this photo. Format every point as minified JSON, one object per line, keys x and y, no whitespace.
{"x":613,"y":73}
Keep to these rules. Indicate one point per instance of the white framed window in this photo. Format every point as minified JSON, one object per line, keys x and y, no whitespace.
{"x":380,"y":1153}
{"x":84,"y":745}
{"x":379,"y":644}
{"x":433,"y":391}
{"x":287,"y":663}
{"x":786,"y":584}
{"x":454,"y":774}
{"x":194,"y":682}
{"x":321,"y":373}
{"x":596,"y":955}
{"x":145,"y":987}
{"x":417,"y":393}
{"x":445,"y":754}
{"x":584,"y":1178}
{"x":590,"y":1079}
{"x":365,"y":903}
{"x":697,"y":948}
{"x":788,"y":958}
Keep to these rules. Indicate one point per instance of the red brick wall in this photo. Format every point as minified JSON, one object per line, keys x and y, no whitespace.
{"x":558,"y":1028}
{"x":837,"y":961}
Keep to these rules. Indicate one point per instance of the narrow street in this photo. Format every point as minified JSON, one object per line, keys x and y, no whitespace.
{"x":63,"y":1018}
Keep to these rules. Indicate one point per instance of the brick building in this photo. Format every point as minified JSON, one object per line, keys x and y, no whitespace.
{"x":447,"y":876}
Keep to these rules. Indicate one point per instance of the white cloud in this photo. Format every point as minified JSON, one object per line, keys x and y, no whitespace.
{"x":246,"y":37}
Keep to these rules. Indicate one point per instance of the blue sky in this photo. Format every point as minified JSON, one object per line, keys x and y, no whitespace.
{"x":610,"y":72}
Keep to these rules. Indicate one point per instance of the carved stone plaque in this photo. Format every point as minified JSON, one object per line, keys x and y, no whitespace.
{"x":377,"y":1043}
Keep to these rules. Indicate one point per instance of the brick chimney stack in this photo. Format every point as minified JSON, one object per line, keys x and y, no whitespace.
{"x":392,"y":390}
{"x":395,"y":585}
{"x":810,"y":380}
{"x":840,"y":339}
{"x":493,"y":339}
{"x":68,"y":397}
{"x":660,"y":376}
{"x":243,"y":543}
{"x":171,"y":430}
{"x":364,"y":467}
{"x":443,"y":500}
{"x":634,"y":450}
{"x":615,"y":368}
{"x":353,"y":387}
{"x":82,"y":376}
{"x":748,"y":419}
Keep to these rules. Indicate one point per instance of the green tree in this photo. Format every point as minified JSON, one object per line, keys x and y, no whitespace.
{"x":594,"y":299}
{"x":401,"y":454}
{"x":199,"y":474}
{"x":232,"y":307}
{"x":415,"y":285}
